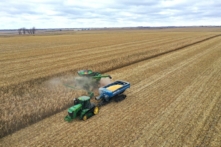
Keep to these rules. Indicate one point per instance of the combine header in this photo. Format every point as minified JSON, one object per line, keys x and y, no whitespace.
{"x":94,"y":75}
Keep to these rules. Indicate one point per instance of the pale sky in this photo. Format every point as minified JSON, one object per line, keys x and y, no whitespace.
{"x":15,"y":14}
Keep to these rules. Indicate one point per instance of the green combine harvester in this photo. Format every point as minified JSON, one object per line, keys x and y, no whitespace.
{"x":87,"y":80}
{"x":82,"y":108}
{"x":94,"y":75}
{"x":92,"y":79}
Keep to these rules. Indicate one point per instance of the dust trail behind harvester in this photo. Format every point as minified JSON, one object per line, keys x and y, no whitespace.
{"x":89,"y":84}
{"x":105,"y":81}
{"x":77,"y":83}
{"x":84,"y":83}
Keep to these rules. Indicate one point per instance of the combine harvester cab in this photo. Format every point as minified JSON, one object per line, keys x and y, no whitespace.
{"x":113,"y":91}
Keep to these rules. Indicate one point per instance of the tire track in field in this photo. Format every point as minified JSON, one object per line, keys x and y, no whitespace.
{"x":158,"y":125}
{"x":189,"y":134}
{"x":161,"y":75}
{"x":175,"y":134}
{"x":178,"y":123}
{"x":216,"y":136}
{"x":210,"y":122}
{"x":165,"y":72}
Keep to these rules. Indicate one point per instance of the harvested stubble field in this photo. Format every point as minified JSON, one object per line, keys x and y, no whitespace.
{"x":174,"y":99}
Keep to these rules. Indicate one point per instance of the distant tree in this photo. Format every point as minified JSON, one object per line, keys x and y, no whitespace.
{"x":23,"y":29}
{"x":20,"y":31}
{"x":28,"y":31}
{"x":33,"y":30}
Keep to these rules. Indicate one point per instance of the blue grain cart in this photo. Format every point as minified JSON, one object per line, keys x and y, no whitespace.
{"x":113,"y":91}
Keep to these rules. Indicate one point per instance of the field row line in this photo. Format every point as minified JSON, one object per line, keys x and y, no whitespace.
{"x":56,"y":133}
{"x":62,"y":64}
{"x":81,"y":52}
{"x":175,"y":104}
{"x":163,"y":53}
{"x":56,"y":49}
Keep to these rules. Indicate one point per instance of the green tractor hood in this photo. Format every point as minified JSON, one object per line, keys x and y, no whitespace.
{"x":72,"y":112}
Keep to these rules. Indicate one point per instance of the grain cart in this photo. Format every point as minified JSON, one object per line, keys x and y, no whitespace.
{"x":82,"y":108}
{"x":113,"y":91}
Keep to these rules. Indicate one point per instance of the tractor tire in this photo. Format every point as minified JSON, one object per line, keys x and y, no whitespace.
{"x":85,"y":117}
{"x":96,"y":110}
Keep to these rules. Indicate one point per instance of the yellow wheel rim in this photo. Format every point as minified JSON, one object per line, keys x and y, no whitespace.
{"x":85,"y":117}
{"x":96,"y":110}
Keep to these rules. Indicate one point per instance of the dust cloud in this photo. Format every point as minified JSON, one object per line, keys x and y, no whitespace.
{"x":105,"y":81}
{"x":76,"y":83}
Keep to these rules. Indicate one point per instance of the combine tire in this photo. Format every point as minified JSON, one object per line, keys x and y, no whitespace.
{"x":96,"y":110}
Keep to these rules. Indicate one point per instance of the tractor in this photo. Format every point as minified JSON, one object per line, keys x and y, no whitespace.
{"x":82,"y":108}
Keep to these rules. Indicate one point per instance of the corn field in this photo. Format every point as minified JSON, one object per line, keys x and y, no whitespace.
{"x":174,"y":99}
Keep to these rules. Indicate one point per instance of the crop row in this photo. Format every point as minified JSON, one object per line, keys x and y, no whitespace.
{"x":37,"y":100}
{"x":174,"y":100}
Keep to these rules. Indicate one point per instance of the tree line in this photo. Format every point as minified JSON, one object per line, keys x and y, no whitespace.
{"x":26,"y":31}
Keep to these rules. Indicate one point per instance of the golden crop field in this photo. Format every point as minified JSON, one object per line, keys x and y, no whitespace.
{"x":174,"y":99}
